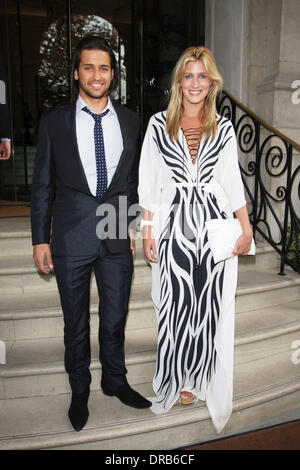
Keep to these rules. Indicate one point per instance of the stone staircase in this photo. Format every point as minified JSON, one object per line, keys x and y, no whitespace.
{"x":34,"y":388}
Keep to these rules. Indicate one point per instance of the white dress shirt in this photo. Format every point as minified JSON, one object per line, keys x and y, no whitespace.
{"x":113,"y":141}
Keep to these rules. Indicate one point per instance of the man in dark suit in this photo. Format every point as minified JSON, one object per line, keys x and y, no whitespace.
{"x":5,"y":145}
{"x":84,"y":169}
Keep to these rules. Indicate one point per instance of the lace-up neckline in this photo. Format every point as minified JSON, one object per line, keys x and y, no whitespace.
{"x":193,"y":138}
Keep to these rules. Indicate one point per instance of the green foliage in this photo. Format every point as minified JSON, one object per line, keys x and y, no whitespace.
{"x":293,"y":247}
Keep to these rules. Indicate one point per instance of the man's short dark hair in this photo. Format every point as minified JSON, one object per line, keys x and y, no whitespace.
{"x":92,"y":43}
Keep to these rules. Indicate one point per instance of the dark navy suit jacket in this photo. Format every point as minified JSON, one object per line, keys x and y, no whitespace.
{"x":60,"y":187}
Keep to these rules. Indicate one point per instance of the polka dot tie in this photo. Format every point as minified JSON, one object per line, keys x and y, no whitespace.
{"x":99,"y":153}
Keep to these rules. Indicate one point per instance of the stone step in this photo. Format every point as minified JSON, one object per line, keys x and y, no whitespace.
{"x":35,"y":366}
{"x":262,"y":289}
{"x":34,"y":389}
{"x":22,"y":263}
{"x":26,"y":292}
{"x":29,"y":310}
{"x":258,"y":325}
{"x":21,"y":271}
{"x":45,"y":319}
{"x":15,"y":236}
{"x":261,"y":390}
{"x":15,"y":240}
{"x":21,"y":293}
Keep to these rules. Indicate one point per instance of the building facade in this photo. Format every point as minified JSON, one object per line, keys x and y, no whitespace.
{"x":255,"y":42}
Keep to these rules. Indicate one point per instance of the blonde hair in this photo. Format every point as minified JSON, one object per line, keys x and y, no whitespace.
{"x":175,"y":107}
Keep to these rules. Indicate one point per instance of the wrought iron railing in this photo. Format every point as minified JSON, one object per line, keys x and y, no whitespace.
{"x":270,"y":170}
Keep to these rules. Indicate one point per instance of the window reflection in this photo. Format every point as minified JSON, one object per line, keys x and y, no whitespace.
{"x":36,"y":41}
{"x":54,"y":68}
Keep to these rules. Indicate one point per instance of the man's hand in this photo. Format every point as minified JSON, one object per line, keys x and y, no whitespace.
{"x":5,"y":150}
{"x":149,"y":244}
{"x":42,"y":257}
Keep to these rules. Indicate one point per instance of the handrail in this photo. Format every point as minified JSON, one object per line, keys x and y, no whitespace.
{"x":262,"y":121}
{"x":271,"y":179}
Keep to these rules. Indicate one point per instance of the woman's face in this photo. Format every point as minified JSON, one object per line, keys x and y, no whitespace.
{"x":195,"y":83}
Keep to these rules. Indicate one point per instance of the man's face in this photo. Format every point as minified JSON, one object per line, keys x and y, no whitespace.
{"x":94,"y":74}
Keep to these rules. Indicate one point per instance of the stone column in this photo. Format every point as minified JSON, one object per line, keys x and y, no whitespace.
{"x":225,"y":36}
{"x":280,"y":45}
{"x":256,"y":44}
{"x":273,"y":70}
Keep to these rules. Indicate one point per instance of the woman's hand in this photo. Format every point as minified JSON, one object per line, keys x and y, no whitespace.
{"x":243,"y":244}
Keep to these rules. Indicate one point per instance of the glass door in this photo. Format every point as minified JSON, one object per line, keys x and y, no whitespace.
{"x":37,"y":39}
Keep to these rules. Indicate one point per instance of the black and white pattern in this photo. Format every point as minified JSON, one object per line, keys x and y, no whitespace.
{"x":188,"y":287}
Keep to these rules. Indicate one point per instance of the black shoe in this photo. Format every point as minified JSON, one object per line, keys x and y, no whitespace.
{"x":78,"y":412}
{"x":128,"y":396}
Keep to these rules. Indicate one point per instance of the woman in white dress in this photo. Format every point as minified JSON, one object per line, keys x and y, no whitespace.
{"x":188,"y":174}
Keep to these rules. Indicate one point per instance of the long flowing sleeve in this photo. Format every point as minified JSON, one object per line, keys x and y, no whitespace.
{"x":229,"y":171}
{"x":148,"y":168}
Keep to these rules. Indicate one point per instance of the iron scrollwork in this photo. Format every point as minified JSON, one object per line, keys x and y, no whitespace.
{"x":271,"y":178}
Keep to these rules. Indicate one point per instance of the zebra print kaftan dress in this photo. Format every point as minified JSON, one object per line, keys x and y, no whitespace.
{"x":193,"y":297}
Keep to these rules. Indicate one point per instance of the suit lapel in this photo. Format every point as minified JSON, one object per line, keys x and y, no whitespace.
{"x":124,"y":124}
{"x":125,"y":128}
{"x":76,"y":164}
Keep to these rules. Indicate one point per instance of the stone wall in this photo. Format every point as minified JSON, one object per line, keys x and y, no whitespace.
{"x":256,"y":44}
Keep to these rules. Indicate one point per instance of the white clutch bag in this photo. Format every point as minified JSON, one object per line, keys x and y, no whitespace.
{"x":222,"y":235}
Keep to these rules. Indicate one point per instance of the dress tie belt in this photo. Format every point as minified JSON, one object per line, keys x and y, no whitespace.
{"x":213,"y":187}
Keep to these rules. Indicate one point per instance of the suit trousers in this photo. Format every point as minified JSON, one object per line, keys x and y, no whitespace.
{"x":113,"y":273}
